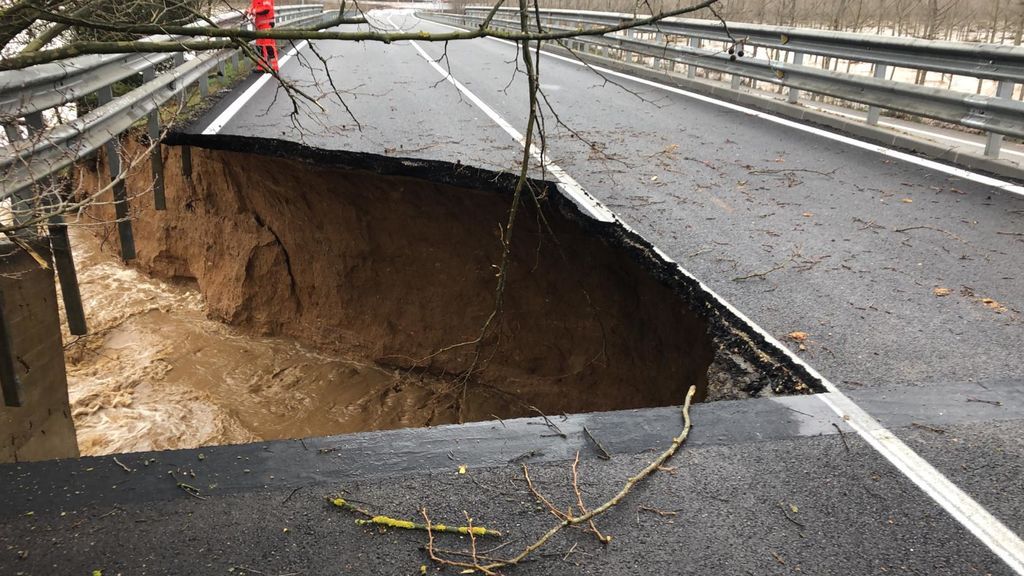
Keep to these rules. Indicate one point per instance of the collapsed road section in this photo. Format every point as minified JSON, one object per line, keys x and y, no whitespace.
{"x":393,"y":262}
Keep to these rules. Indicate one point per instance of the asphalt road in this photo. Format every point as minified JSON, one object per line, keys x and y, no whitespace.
{"x":798,"y":231}
{"x":763,"y":486}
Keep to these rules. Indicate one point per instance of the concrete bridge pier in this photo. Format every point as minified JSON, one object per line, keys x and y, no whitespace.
{"x":35,"y":417}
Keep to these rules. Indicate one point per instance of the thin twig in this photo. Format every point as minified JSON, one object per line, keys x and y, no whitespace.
{"x":842,"y":436}
{"x":775,"y":268}
{"x":992,"y":402}
{"x":549,"y":423}
{"x":622,"y":493}
{"x":579,"y":501}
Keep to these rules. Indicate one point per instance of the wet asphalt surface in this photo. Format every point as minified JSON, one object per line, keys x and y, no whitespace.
{"x":798,"y":232}
{"x":766,"y":486}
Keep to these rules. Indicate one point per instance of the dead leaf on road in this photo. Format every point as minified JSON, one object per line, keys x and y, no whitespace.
{"x":798,"y":337}
{"x":993,"y":305}
{"x":940,"y":291}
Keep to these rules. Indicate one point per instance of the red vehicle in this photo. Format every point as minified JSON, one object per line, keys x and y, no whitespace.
{"x":262,"y":12}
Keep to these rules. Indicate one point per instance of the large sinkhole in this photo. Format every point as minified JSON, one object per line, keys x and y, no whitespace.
{"x":387,"y":268}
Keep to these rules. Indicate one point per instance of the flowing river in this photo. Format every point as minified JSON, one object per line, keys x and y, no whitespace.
{"x":155,"y":373}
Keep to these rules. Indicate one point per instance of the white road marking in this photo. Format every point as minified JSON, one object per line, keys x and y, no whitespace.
{"x":935,"y":135}
{"x":566,"y":182}
{"x":937,"y":166}
{"x":224,"y":117}
{"x":987,"y":528}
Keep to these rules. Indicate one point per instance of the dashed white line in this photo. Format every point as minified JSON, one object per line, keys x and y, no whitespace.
{"x":224,"y":117}
{"x":987,"y":528}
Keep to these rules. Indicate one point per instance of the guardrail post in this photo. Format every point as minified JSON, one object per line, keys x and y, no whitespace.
{"x":156,"y":157}
{"x":60,"y":247}
{"x":64,"y":263}
{"x":179,"y":59}
{"x":735,"y":82}
{"x":691,"y":70}
{"x":234,"y":62}
{"x":995,"y":141}
{"x":12,"y":132}
{"x":874,"y":111}
{"x":204,"y":86}
{"x":8,"y":377}
{"x":124,"y":223}
{"x":793,"y":96}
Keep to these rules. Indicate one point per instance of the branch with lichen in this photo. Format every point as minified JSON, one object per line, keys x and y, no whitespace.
{"x":389,"y":522}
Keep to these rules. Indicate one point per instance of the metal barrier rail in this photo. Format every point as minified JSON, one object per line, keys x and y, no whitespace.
{"x":990,"y":61}
{"x":27,"y":93}
{"x":23,"y":92}
{"x":26,"y":163}
{"x":998,"y":115}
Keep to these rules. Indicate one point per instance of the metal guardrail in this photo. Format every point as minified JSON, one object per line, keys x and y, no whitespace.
{"x":680,"y":40}
{"x":28,"y":162}
{"x":46,"y":86}
{"x":23,"y":92}
{"x":991,"y":61}
{"x":27,"y":93}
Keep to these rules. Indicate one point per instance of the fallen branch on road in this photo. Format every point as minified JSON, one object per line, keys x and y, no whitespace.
{"x":489,"y":565}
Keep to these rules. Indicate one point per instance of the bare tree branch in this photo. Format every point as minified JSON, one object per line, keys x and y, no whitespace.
{"x":319,"y":33}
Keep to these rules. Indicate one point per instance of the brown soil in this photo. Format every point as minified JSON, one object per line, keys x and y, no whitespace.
{"x":391,"y":270}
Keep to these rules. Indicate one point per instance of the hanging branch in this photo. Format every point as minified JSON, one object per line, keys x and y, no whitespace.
{"x":319,"y":32}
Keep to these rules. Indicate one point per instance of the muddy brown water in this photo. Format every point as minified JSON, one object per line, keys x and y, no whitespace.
{"x":156,"y":373}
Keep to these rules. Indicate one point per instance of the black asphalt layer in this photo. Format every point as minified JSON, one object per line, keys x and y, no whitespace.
{"x":765,"y":486}
{"x":799,"y":232}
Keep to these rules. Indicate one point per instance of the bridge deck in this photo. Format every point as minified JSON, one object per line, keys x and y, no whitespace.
{"x":844,"y":243}
{"x":763,"y":487}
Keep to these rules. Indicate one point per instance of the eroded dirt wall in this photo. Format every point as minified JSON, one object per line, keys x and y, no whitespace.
{"x":393,"y":269}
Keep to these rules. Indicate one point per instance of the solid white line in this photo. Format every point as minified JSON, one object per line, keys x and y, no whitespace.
{"x":964,"y":509}
{"x":987,"y":528}
{"x":937,"y":166}
{"x":572,"y":188}
{"x":224,"y":117}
